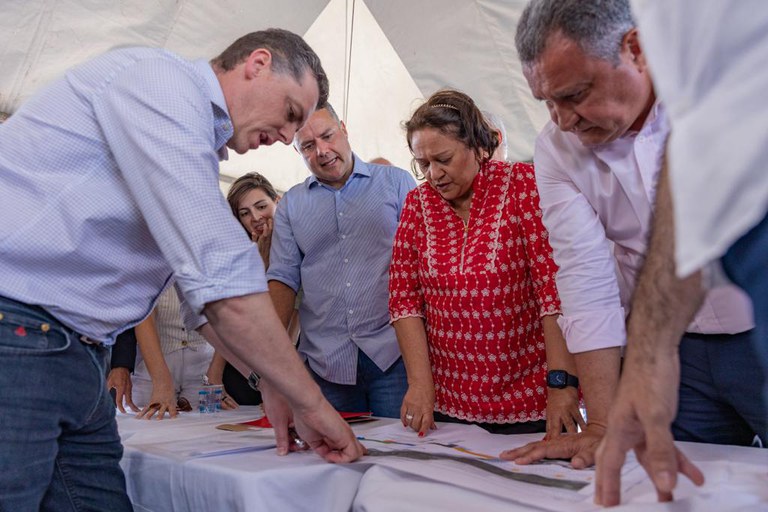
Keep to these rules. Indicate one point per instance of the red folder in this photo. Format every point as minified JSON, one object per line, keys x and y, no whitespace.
{"x":350,"y":417}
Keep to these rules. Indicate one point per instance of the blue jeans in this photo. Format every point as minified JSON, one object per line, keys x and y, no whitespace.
{"x":720,"y":379}
{"x":59,"y":446}
{"x":376,"y":391}
{"x":746,"y":264}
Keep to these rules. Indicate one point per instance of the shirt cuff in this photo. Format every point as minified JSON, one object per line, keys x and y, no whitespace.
{"x":192,"y":321}
{"x":594,"y":330}
{"x":237,"y":274}
{"x":713,"y":275}
{"x":395,"y":316}
{"x":549,"y":310}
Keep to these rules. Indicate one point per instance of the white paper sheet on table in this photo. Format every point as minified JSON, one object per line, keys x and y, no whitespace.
{"x":467,"y":456}
{"x":217,"y":443}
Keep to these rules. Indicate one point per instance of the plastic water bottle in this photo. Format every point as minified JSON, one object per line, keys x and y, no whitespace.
{"x":204,"y":401}
{"x":217,"y":392}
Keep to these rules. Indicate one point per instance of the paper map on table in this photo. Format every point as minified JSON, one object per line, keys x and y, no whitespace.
{"x":467,"y":456}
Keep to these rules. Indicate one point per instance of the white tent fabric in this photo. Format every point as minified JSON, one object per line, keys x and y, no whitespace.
{"x":383,"y":57}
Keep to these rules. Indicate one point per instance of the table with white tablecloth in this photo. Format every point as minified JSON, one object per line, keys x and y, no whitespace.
{"x":162,"y":476}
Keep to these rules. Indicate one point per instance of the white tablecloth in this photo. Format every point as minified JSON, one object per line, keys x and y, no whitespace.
{"x":737,"y":478}
{"x":237,"y":482}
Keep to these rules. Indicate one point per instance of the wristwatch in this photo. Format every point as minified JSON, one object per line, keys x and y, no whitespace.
{"x":253,"y":380}
{"x":561,"y":379}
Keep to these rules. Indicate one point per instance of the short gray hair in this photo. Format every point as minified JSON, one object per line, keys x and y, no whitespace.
{"x":597,"y":26}
{"x":331,"y":111}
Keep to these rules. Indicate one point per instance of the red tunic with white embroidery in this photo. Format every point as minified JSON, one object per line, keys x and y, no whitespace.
{"x":482,"y":290}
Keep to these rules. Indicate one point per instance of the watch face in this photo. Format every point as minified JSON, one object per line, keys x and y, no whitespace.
{"x":556,"y":378}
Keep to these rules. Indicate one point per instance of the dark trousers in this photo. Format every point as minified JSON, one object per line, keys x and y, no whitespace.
{"x":721,"y":378}
{"x":527,"y":427}
{"x":746,"y":264}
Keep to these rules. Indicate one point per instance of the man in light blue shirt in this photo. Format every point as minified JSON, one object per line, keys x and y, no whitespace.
{"x":109,"y":189}
{"x":333,"y":238}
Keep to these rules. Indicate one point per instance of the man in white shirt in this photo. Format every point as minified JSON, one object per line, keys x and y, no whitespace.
{"x":711,"y":204}
{"x":597,"y":166}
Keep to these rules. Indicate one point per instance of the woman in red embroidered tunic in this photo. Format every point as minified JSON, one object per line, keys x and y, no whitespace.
{"x":472,"y":283}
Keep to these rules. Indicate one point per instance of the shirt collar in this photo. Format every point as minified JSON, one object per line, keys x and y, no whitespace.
{"x":359,"y":168}
{"x":653,"y":114}
{"x":222,"y":122}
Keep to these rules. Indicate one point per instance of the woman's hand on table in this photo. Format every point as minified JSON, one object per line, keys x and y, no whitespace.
{"x":119,"y":379}
{"x":227,"y":402}
{"x":563,"y":412}
{"x":418,"y":408}
{"x":162,"y":401}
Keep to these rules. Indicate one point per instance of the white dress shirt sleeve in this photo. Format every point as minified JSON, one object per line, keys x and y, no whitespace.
{"x":593,"y":317}
{"x":714,"y":90}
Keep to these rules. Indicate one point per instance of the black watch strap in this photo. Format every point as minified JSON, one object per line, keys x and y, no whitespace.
{"x":560,"y":379}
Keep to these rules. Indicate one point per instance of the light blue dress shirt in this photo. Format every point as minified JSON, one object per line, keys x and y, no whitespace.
{"x":109,"y":186}
{"x":337,"y":245}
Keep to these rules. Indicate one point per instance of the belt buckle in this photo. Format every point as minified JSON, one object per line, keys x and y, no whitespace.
{"x":89,"y":341}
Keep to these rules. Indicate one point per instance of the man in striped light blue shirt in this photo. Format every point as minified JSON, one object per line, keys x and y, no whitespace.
{"x":108,"y":187}
{"x":333,"y":238}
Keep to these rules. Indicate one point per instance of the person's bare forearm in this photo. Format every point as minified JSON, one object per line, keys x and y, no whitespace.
{"x":149,"y":345}
{"x":223,"y":354}
{"x":598,"y":372}
{"x":216,"y":368}
{"x":662,"y":305}
{"x":417,"y":408}
{"x":284,"y":299}
{"x":294,"y":327}
{"x":412,"y":338}
{"x":558,"y":357}
{"x":250,"y":336}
